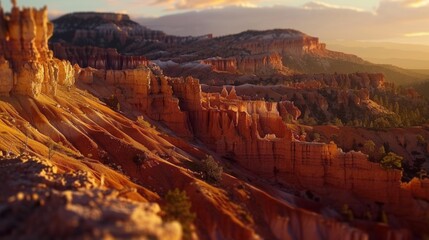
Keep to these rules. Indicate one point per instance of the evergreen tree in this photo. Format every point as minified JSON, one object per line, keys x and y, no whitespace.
{"x":392,"y":161}
{"x":178,"y":208}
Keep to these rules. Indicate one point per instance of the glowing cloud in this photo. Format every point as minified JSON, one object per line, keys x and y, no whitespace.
{"x":416,"y":3}
{"x":417,"y":34}
{"x":201,"y":4}
{"x":322,"y":5}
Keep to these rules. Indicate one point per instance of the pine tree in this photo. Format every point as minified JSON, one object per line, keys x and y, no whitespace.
{"x":391,"y":160}
{"x":178,"y":208}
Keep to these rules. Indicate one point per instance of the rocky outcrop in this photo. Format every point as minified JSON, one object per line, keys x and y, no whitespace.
{"x":281,"y":41}
{"x":24,"y":50}
{"x":111,"y":30}
{"x":144,"y":90}
{"x":98,"y":58}
{"x":419,"y":188}
{"x":6,"y":78}
{"x":222,"y":64}
{"x":323,"y":97}
{"x":253,"y":134}
{"x":38,"y":201}
{"x":288,"y":108}
{"x":262,"y":64}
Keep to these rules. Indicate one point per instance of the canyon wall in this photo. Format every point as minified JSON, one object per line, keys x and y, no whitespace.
{"x":27,"y":66}
{"x":253,"y":134}
{"x":283,"y":43}
{"x":144,"y":90}
{"x":261,"y":64}
{"x":111,"y":30}
{"x":98,"y":58}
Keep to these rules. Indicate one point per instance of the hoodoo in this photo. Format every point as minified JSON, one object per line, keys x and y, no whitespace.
{"x":27,"y":64}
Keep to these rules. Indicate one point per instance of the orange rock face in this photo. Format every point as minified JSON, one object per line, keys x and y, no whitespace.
{"x":146,"y":91}
{"x":98,"y":58}
{"x":261,"y":64}
{"x":281,"y":41}
{"x":252,"y":133}
{"x":24,"y":50}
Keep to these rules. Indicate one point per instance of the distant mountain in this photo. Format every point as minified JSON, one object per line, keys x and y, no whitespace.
{"x":261,"y":53}
{"x":110,"y":30}
{"x":408,"y":56}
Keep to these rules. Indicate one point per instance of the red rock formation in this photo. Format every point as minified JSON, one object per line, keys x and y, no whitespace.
{"x":24,"y":50}
{"x":287,"y":107}
{"x":280,"y":41}
{"x":222,"y":64}
{"x":98,"y":58}
{"x":146,"y":91}
{"x":252,"y":132}
{"x":261,"y":64}
{"x":6,"y":77}
{"x":419,"y":188}
{"x":112,"y":30}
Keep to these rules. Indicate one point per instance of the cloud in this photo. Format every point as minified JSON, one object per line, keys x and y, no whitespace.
{"x":417,"y":34}
{"x":322,"y":5}
{"x":203,"y":4}
{"x":392,"y":19}
{"x":416,"y":3}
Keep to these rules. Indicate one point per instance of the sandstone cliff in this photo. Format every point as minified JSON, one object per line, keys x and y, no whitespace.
{"x":250,"y":132}
{"x":111,"y":30}
{"x":98,"y":58}
{"x":143,"y":90}
{"x":253,"y":133}
{"x":27,"y":65}
{"x":261,"y":64}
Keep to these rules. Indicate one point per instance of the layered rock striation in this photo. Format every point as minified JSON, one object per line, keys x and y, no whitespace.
{"x":98,"y":58}
{"x":281,"y":41}
{"x":144,"y":90}
{"x":27,"y":65}
{"x":112,"y":30}
{"x":253,"y":134}
{"x":261,"y":64}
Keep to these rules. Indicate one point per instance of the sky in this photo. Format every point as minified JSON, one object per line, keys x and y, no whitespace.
{"x":156,"y":8}
{"x":405,"y":21}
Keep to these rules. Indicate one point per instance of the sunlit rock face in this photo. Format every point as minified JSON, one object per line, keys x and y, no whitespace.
{"x":27,"y":66}
{"x":261,"y":64}
{"x":98,"y":58}
{"x":254,"y":135}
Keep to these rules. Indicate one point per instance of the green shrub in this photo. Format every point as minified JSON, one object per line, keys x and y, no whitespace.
{"x":391,"y":161}
{"x":178,"y":208}
{"x":211,"y":170}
